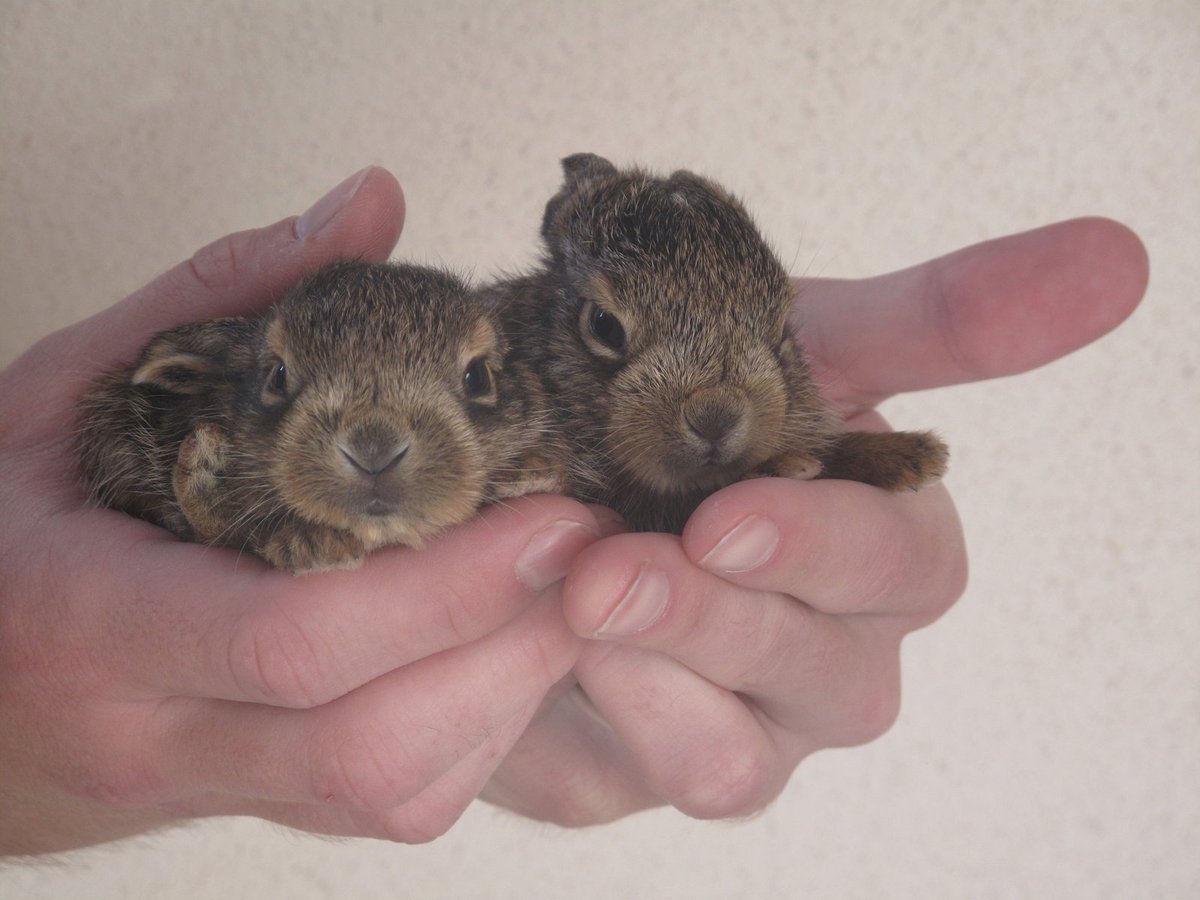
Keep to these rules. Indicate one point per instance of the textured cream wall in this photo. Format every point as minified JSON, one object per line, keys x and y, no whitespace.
{"x":1049,"y":744}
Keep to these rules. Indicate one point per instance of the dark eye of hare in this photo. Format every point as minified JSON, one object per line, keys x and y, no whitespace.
{"x":477,"y":378}
{"x":275,"y":387}
{"x":606,"y":328}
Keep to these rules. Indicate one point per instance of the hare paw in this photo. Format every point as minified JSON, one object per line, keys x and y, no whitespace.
{"x":798,"y":466}
{"x":196,"y":479}
{"x":895,"y":460}
{"x":302,"y":549}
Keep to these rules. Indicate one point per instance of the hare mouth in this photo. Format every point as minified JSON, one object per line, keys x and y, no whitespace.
{"x":711,"y":476}
{"x":686,"y":479}
{"x":377,"y":507}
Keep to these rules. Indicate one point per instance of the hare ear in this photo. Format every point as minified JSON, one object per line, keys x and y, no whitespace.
{"x":179,"y":373}
{"x":172,"y":363}
{"x":579,"y":166}
{"x":577,"y":169}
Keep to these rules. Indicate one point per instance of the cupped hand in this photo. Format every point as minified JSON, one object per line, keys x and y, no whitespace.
{"x":716,"y":662}
{"x":144,"y":681}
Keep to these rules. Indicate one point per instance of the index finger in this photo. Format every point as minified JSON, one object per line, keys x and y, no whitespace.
{"x":840,"y":547}
{"x":997,"y":308}
{"x":198,"y":621}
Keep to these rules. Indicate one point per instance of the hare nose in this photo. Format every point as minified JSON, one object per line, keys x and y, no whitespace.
{"x":712,"y":420}
{"x":373,"y":457}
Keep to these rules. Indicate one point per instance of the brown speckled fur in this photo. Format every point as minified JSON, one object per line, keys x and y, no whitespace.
{"x":193,"y":437}
{"x":703,"y":303}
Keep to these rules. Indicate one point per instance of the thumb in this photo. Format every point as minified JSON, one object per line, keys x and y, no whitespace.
{"x":239,"y":274}
{"x":244,"y":273}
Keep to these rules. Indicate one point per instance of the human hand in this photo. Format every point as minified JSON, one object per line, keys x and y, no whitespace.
{"x":144,"y":681}
{"x":771,"y":628}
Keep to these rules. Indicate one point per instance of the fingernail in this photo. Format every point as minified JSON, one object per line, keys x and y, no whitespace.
{"x":745,"y":547}
{"x":318,"y":215}
{"x":643,"y":604}
{"x":550,"y":552}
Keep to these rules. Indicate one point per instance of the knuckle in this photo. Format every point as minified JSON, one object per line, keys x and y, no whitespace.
{"x":211,"y":266}
{"x":883,"y":576}
{"x":955,"y":571}
{"x":271,"y":658}
{"x":220,"y":263}
{"x":769,"y":648}
{"x":735,"y":781}
{"x":581,"y":809}
{"x":359,"y":769}
{"x":946,"y":566}
{"x":465,"y":613}
{"x":582,"y":798}
{"x":870,"y":712}
{"x":946,"y":314}
{"x":420,"y":821}
{"x":542,"y":652}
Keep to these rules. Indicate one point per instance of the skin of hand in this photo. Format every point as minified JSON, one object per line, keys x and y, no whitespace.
{"x":718,"y":660}
{"x":144,"y":681}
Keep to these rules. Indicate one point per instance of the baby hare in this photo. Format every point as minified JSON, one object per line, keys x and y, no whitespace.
{"x":375,"y":404}
{"x":659,"y":323}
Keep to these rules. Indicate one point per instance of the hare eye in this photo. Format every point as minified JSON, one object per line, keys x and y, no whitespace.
{"x":606,"y":328}
{"x":275,"y":387}
{"x":477,"y":378}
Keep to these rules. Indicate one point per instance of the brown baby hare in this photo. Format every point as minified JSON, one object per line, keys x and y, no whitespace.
{"x":659,"y":323}
{"x":375,"y":404}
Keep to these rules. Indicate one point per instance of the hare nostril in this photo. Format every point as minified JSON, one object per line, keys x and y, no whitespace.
{"x":372,"y":458}
{"x":712,"y":423}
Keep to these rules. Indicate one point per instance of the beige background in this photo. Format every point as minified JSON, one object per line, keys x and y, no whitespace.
{"x":1049,"y":744}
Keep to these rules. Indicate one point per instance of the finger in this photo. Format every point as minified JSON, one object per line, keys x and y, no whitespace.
{"x":805,"y":669}
{"x":996,"y":308}
{"x":643,"y":591}
{"x":840,"y":546}
{"x":381,"y":745}
{"x":434,"y":810}
{"x":240,"y":274}
{"x":698,"y":746}
{"x":426,"y":816}
{"x":202,"y":622}
{"x":569,"y":768}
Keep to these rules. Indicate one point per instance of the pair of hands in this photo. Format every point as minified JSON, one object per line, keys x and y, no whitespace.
{"x":536,"y":655}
